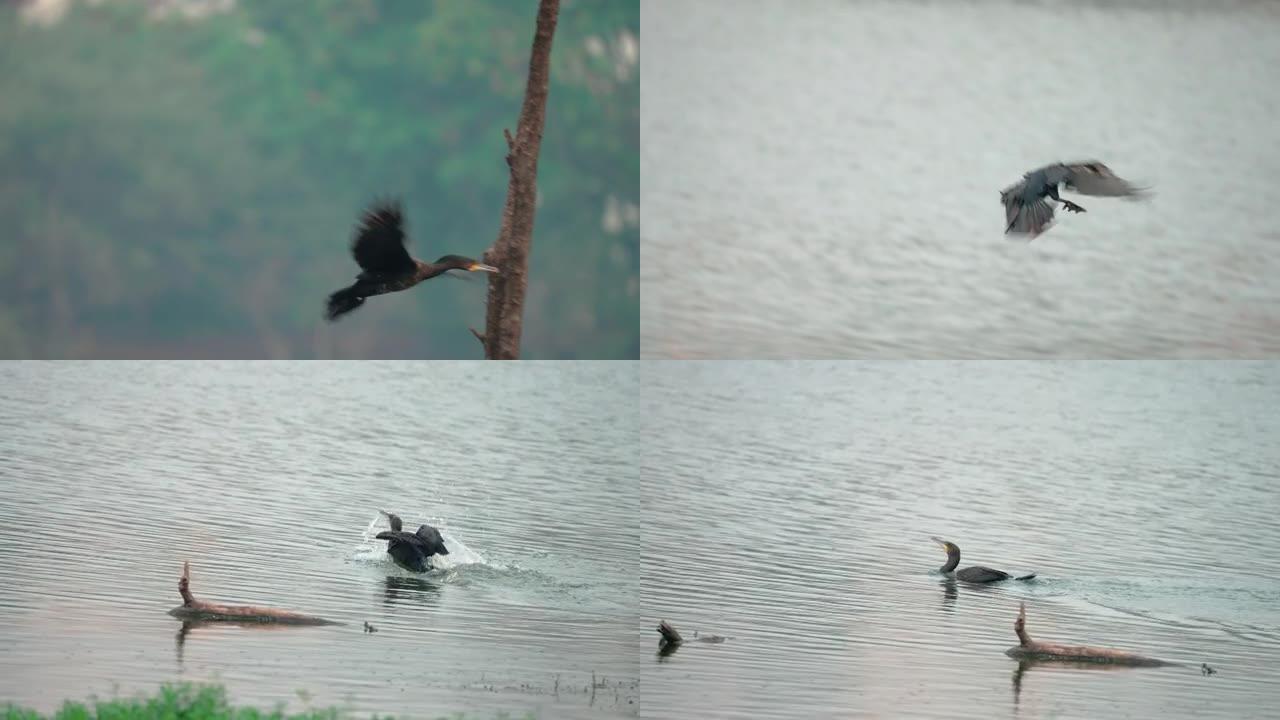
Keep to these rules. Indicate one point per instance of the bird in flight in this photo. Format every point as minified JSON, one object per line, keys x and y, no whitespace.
{"x":385,"y":264}
{"x":1027,"y":212}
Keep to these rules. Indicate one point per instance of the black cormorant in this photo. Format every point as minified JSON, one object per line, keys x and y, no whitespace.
{"x":974,"y":574}
{"x":1025,"y":209}
{"x":411,"y":550}
{"x":385,"y":263}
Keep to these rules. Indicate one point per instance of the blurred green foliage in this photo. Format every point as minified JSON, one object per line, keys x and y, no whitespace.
{"x":177,"y":186}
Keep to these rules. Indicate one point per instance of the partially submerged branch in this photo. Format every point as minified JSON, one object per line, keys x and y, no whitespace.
{"x":504,"y":315}
{"x":193,"y":609}
{"x":1028,"y":649}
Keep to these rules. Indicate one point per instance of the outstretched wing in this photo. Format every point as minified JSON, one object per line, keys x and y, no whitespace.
{"x":1094,"y":178}
{"x":379,"y":243}
{"x":1026,"y":218}
{"x":1013,"y":190}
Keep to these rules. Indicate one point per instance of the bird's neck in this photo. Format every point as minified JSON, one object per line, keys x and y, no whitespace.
{"x":428,"y":270}
{"x":953,"y":560}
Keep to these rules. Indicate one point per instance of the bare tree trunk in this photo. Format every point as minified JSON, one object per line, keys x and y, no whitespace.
{"x":504,"y":316}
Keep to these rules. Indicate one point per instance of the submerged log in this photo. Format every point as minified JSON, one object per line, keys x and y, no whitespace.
{"x":193,"y":609}
{"x":1028,"y":649}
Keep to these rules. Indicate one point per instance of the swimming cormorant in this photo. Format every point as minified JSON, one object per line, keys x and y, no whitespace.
{"x":386,"y":266}
{"x":411,"y":550}
{"x":975,"y":574}
{"x":1024,"y":203}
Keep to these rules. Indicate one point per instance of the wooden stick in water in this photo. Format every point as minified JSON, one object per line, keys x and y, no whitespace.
{"x":193,"y":609}
{"x":1028,"y":649}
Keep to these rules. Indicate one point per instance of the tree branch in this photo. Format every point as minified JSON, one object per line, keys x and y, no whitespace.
{"x":504,"y":315}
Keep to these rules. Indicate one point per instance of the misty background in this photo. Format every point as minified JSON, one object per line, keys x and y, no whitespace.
{"x":182,"y":178}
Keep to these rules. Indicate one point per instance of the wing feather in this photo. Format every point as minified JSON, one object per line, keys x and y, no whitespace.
{"x":378,"y":246}
{"x":1094,"y":178}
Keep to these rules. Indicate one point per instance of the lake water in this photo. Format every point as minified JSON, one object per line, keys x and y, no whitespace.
{"x":789,"y":506}
{"x":268,"y":477}
{"x":820,"y":179}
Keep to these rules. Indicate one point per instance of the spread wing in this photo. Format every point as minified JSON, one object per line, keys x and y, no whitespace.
{"x":1025,"y":218}
{"x":1013,"y":190}
{"x":1094,"y":178}
{"x":379,"y":243}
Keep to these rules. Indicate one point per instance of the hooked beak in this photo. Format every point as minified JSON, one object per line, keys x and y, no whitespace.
{"x":481,"y":267}
{"x":940,"y":541}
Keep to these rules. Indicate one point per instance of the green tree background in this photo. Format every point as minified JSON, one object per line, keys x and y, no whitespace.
{"x":181,"y":178}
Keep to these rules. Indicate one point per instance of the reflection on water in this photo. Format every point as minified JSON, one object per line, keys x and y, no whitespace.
{"x":821,"y":179}
{"x":792,"y":505}
{"x":268,"y":477}
{"x":410,"y":589}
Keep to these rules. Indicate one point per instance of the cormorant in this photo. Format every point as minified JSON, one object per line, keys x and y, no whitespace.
{"x":1024,"y":203}
{"x":411,"y":550}
{"x":975,"y":574}
{"x":386,"y":266}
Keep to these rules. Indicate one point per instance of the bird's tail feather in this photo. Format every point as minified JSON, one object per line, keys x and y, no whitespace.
{"x":1030,"y":218}
{"x":343,"y":302}
{"x":1026,"y":577}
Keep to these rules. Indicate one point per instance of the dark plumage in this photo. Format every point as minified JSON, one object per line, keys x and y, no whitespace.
{"x":411,"y":551}
{"x":974,"y":574}
{"x":1025,"y":208}
{"x":386,"y":265}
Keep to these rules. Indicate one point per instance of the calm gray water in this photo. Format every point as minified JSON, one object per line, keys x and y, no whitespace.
{"x":267,"y":477}
{"x":791,"y":505}
{"x":821,"y":178}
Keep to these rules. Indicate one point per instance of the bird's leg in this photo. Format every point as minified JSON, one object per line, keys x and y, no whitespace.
{"x":1066,"y":204}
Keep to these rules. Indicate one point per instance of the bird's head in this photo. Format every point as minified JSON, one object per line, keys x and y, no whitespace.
{"x":948,"y":547}
{"x":953,"y":554}
{"x":458,"y":262}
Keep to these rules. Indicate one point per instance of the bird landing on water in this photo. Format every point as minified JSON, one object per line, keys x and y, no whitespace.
{"x":1028,"y":213}
{"x":378,"y":248}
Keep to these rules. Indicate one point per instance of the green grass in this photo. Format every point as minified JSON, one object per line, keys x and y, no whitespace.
{"x":186,"y":702}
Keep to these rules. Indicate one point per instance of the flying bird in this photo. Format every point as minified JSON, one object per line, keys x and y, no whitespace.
{"x":386,"y":265}
{"x":1026,"y":210}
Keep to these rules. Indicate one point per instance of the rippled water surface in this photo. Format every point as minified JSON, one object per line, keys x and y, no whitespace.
{"x":789,"y":506}
{"x":267,"y":477}
{"x":821,"y":178}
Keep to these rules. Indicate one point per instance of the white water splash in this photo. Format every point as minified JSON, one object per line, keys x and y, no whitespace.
{"x":373,"y":550}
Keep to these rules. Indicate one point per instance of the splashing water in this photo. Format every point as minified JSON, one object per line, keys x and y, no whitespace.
{"x":373,"y":550}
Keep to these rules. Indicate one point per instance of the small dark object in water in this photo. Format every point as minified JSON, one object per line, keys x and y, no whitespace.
{"x":411,"y":551}
{"x":369,"y":628}
{"x":672,"y":639}
{"x":1025,"y":209}
{"x":1206,"y":670}
{"x":193,"y":609}
{"x":670,"y":636}
{"x":386,"y":266}
{"x":974,"y":574}
{"x":1028,"y":649}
